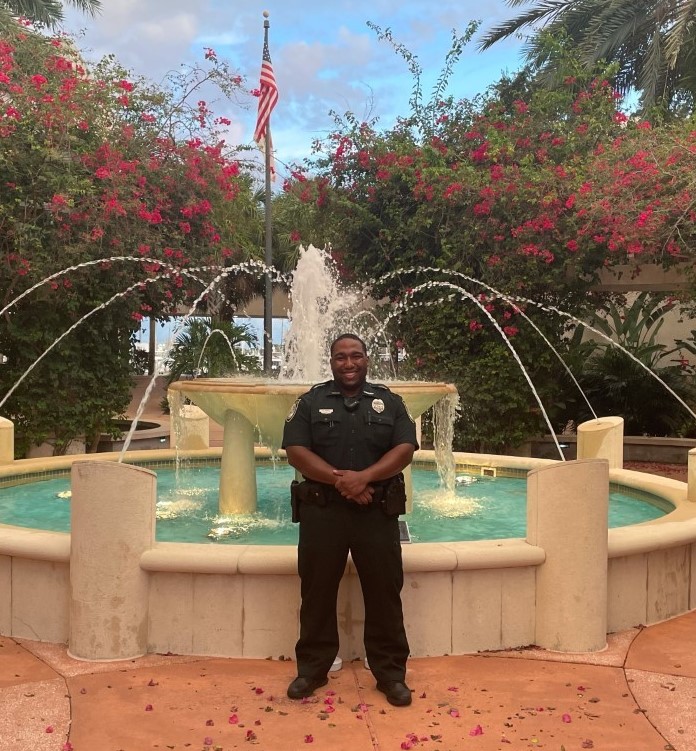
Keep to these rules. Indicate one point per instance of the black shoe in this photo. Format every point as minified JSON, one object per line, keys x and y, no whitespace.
{"x":302,"y":687}
{"x":397,"y":693}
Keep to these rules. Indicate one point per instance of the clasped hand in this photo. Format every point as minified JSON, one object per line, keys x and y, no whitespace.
{"x":352,"y":485}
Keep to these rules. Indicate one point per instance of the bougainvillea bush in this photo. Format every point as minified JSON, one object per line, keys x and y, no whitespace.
{"x":516,"y":190}
{"x":94,"y":165}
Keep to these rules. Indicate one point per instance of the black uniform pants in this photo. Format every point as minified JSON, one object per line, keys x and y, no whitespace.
{"x":327,"y":533}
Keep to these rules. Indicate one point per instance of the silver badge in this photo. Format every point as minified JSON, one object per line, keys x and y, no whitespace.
{"x":292,"y":411}
{"x":326,"y":411}
{"x":378,"y":405}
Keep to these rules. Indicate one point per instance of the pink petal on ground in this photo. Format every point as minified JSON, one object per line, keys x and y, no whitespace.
{"x":331,"y":693}
{"x":328,"y":700}
{"x":210,"y":723}
{"x":329,"y":709}
{"x":363,"y":707}
{"x":567,"y":718}
{"x":148,"y":707}
{"x":233,"y":719}
{"x":250,"y":735}
{"x":259,"y":691}
{"x":580,"y":688}
{"x":453,"y":688}
{"x":477,"y":730}
{"x":153,"y":682}
{"x":406,"y":745}
{"x":454,"y":713}
{"x":207,"y":741}
{"x":309,"y":739}
{"x":67,"y":746}
{"x":49,"y":729}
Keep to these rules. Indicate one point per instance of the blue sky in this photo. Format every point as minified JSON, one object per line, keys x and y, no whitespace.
{"x":324,"y":55}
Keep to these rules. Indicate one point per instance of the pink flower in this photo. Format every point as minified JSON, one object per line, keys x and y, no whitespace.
{"x":566,"y":718}
{"x":233,"y":719}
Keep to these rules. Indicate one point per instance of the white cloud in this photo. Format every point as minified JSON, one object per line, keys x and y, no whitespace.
{"x":324,"y":55}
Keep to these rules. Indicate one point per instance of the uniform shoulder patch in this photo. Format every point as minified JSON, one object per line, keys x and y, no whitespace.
{"x":293,"y":410}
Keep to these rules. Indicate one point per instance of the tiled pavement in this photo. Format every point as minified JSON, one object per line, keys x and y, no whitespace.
{"x":637,"y":695}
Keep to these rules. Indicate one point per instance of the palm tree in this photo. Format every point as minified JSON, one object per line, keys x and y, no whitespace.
{"x":652,"y":42}
{"x":43,"y":12}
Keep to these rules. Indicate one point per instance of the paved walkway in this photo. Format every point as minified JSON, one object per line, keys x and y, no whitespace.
{"x":637,"y":695}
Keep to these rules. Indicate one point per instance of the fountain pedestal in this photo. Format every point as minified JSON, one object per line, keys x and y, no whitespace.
{"x":251,"y":409}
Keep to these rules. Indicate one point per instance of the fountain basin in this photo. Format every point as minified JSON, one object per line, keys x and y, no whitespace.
{"x":251,"y":409}
{"x":243,"y":601}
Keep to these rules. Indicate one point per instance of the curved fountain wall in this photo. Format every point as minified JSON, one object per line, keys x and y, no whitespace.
{"x":242,"y":601}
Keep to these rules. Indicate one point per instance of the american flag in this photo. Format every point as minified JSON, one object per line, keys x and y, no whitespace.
{"x":268,"y":97}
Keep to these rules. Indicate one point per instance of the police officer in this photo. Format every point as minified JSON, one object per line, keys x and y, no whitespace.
{"x":350,"y":439}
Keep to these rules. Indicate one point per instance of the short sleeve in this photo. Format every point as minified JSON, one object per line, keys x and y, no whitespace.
{"x":404,"y":424}
{"x":297,"y":429}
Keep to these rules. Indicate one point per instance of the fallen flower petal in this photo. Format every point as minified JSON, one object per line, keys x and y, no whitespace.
{"x":406,"y":745}
{"x":148,"y":707}
{"x":207,"y":741}
{"x":566,"y":718}
{"x":250,"y":735}
{"x":477,"y":730}
{"x":453,"y":688}
{"x":67,"y":746}
{"x":233,"y":719}
{"x":49,"y":729}
{"x":209,"y":722}
{"x":309,"y":739}
{"x":454,"y":713}
{"x":259,"y":691}
{"x":587,"y":743}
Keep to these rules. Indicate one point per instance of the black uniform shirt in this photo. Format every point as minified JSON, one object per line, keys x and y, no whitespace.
{"x":349,"y":432}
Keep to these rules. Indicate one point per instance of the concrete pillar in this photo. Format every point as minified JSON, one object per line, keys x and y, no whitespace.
{"x":238,"y":466}
{"x":193,"y":428}
{"x":408,"y":482}
{"x":112,"y":525}
{"x":567,"y":516}
{"x":602,"y":439}
{"x":691,"y":476}
{"x":6,"y":441}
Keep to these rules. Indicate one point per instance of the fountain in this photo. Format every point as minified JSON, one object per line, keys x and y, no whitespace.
{"x":248,"y":408}
{"x":111,"y":592}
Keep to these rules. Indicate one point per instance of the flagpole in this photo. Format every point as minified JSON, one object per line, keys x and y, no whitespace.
{"x":268,"y":296}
